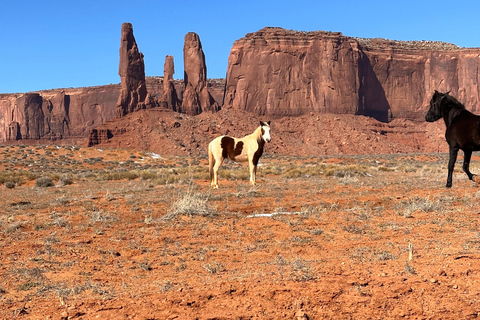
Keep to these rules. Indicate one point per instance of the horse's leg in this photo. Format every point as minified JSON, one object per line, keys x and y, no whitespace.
{"x":218,"y":163}
{"x":211,"y":163}
{"x":253,"y":171}
{"x":451,"y":165}
{"x":466,"y":163}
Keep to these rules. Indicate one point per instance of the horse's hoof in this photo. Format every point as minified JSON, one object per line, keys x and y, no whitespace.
{"x":448,"y":185}
{"x":215,"y":187}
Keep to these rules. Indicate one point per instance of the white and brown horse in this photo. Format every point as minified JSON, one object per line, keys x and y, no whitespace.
{"x":248,"y":148}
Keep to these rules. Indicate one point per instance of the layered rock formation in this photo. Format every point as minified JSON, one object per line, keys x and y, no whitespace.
{"x":133,"y":95}
{"x":277,"y":72}
{"x":56,"y":114}
{"x":71,"y":114}
{"x":196,"y":97}
{"x":271,"y":73}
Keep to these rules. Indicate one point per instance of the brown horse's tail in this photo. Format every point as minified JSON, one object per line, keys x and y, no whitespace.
{"x":211,"y":161}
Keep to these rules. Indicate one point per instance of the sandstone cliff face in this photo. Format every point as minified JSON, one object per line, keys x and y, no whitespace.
{"x":71,"y":113}
{"x":409,"y":72}
{"x":196,"y":98}
{"x":277,"y":72}
{"x":133,"y":95}
{"x":56,"y":114}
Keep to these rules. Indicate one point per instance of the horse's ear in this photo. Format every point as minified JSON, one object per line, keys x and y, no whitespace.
{"x":268,"y":122}
{"x":261,"y":122}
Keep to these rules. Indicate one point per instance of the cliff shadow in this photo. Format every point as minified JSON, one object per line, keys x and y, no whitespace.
{"x":372,"y":99}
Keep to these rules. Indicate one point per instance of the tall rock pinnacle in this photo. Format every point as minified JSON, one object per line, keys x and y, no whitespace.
{"x":169,"y":98}
{"x":133,"y":95}
{"x":196,"y":98}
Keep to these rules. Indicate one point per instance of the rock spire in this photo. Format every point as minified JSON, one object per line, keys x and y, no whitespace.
{"x":196,"y":98}
{"x":133,"y":94}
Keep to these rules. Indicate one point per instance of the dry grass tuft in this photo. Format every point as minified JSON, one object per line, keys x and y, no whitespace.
{"x":191,"y":204}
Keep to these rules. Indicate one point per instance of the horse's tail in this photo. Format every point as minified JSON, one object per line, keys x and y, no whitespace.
{"x":211,"y":160}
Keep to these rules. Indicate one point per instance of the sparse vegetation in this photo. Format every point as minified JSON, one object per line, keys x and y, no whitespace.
{"x":190,"y":204}
{"x":44,"y":182}
{"x":323,"y":228}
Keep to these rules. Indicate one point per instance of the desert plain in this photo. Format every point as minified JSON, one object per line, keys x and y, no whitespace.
{"x":97,"y":233}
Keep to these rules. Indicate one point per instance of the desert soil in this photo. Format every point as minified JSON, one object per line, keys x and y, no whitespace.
{"x":91,"y":233}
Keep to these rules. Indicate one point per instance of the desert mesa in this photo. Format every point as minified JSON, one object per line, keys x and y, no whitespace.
{"x":310,"y":84}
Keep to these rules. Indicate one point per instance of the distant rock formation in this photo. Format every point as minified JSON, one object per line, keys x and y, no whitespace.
{"x":70,"y":114}
{"x":169,"y":98}
{"x":278,"y":72}
{"x":196,"y":97}
{"x":133,"y":95}
{"x":32,"y":116}
{"x":272,"y":73}
{"x":102,"y":135}
{"x":56,"y":114}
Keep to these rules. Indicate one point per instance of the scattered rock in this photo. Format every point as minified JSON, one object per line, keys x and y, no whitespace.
{"x":300,"y":315}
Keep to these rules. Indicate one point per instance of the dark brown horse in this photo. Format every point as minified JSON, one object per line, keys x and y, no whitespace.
{"x":463,"y":129}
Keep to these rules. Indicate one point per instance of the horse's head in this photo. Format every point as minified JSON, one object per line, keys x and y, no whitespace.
{"x":265,"y":130}
{"x":436,"y":107}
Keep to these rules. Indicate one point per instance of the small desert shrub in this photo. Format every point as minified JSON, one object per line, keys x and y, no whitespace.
{"x":346,"y":171}
{"x":232,"y":174}
{"x":409,"y":269}
{"x":66,"y":179}
{"x":149,"y":175}
{"x":386,"y":169}
{"x":351,"y":228}
{"x":9,"y":184}
{"x":214,"y":267}
{"x":302,"y":271}
{"x":28,"y":285}
{"x":15,"y":176}
{"x":275,"y":170}
{"x":12,"y":227}
{"x":190,"y":204}
{"x":408,"y":207}
{"x":129,"y":175}
{"x":44,"y":182}
{"x":60,"y":222}
{"x":100,"y":216}
{"x":384,"y":256}
{"x":297,"y":172}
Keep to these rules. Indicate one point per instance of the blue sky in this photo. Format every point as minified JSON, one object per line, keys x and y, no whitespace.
{"x":61,"y":44}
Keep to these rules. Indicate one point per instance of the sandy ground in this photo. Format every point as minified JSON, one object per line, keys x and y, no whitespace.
{"x":126,"y":235}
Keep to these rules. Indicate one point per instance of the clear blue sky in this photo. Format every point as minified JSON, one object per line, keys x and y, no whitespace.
{"x":61,"y":44}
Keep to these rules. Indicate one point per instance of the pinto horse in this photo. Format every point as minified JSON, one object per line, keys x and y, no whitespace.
{"x":463,"y":129}
{"x":248,"y":148}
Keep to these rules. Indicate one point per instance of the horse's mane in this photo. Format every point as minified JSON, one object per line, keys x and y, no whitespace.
{"x":257,"y":134}
{"x":453,"y":101}
{"x":455,"y":107}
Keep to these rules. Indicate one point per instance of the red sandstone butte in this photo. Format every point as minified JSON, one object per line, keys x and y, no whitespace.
{"x":278,"y":72}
